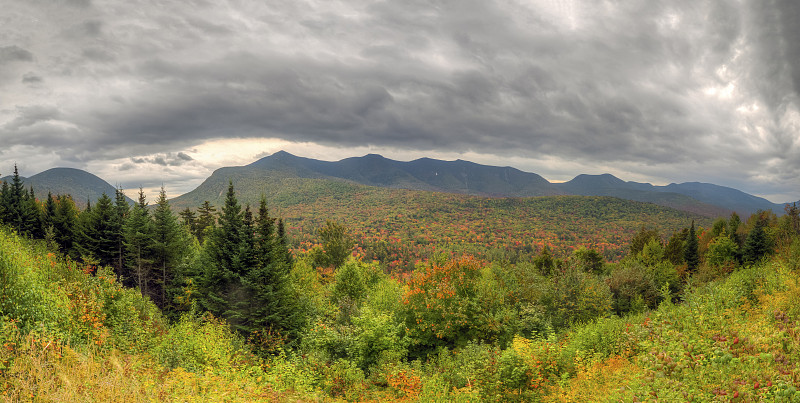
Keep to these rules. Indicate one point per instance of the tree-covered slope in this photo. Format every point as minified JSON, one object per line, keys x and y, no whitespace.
{"x":401,"y":227}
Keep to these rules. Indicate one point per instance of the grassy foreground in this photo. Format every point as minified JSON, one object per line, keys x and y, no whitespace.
{"x":72,"y":333}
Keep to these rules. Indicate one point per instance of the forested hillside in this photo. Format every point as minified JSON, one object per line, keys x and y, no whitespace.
{"x":400,"y":228}
{"x":127,"y":303}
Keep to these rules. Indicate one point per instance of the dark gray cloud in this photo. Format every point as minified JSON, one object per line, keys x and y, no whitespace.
{"x":681,"y":90}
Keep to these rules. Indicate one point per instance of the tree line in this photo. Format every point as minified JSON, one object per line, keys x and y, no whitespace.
{"x":234,"y":264}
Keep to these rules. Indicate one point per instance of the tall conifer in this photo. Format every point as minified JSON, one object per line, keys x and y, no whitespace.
{"x":690,"y":252}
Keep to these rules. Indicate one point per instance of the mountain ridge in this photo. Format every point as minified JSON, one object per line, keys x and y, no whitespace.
{"x":82,"y":185}
{"x":426,"y":174}
{"x":465,"y":177}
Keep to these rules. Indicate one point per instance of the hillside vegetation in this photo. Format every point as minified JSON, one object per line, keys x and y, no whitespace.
{"x":710,"y":314}
{"x":401,"y":228}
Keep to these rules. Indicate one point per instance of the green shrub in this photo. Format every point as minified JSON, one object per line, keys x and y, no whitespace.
{"x":200,"y":344}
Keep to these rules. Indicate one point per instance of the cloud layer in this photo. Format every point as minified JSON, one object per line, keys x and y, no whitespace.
{"x":663,"y":91}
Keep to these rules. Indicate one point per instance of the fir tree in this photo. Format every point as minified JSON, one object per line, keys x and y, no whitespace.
{"x":48,"y":219}
{"x":5,"y":201}
{"x":138,"y":230}
{"x":32,"y":215}
{"x":757,"y":244}
{"x":189,"y":220}
{"x":121,"y":212}
{"x":265,"y":237}
{"x":220,"y":284}
{"x":673,"y":252}
{"x":205,"y":221}
{"x":15,"y":205}
{"x":65,"y":223}
{"x":98,"y":232}
{"x":690,"y":252}
{"x":169,"y":248}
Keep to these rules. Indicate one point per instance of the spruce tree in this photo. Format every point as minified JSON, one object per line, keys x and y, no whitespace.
{"x":673,"y":252}
{"x":98,"y":236}
{"x":121,"y":212}
{"x":48,"y":218}
{"x":189,"y":220}
{"x":272,"y":304}
{"x":65,"y":223}
{"x":206,"y":221}
{"x":15,"y":214}
{"x":138,"y":230}
{"x":265,"y":236}
{"x":32,"y":216}
{"x":220,"y":284}
{"x":5,"y":201}
{"x":757,"y":244}
{"x":690,"y":252}
{"x":169,"y":249}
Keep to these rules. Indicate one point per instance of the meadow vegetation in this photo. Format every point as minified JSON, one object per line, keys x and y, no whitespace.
{"x":698,"y":314}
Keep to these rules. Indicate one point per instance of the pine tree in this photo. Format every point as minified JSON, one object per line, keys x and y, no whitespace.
{"x":691,"y":252}
{"x":138,"y":230}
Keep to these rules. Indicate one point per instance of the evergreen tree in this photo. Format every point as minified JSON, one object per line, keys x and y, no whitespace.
{"x":48,"y":220}
{"x":65,"y":223}
{"x":138,"y":230}
{"x":121,"y":212}
{"x":757,"y":244}
{"x":205,"y":221}
{"x":220,"y":284}
{"x":265,"y":236}
{"x":5,"y":201}
{"x":49,"y":210}
{"x":267,"y":284}
{"x":675,"y":247}
{"x":169,"y":249}
{"x":32,"y":216}
{"x":15,"y":206}
{"x":189,"y":220}
{"x":98,"y":236}
{"x":691,"y":252}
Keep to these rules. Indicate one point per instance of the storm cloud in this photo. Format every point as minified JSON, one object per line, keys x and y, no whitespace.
{"x":669,"y":91}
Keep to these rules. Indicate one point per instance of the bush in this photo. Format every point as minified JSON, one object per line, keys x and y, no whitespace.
{"x":201,"y":344}
{"x":633,"y":288}
{"x":576,"y":297}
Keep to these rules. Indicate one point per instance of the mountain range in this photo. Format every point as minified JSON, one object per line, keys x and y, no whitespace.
{"x":460,"y":177}
{"x":466,"y":177}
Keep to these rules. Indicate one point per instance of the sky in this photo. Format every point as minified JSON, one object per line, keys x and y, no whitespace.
{"x":148,"y":92}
